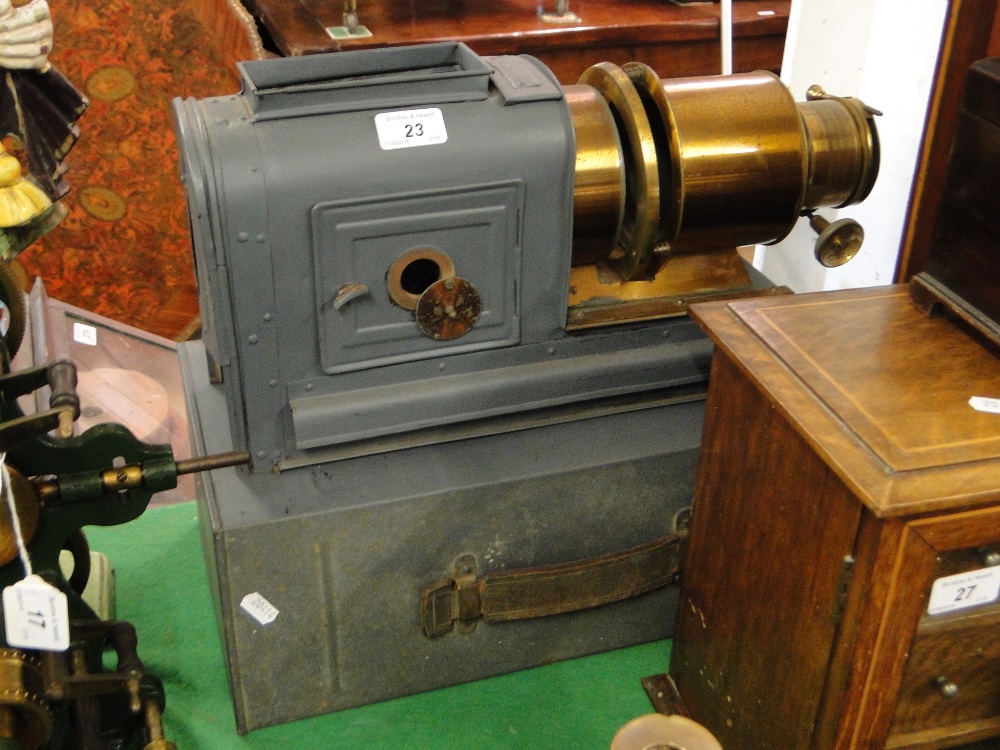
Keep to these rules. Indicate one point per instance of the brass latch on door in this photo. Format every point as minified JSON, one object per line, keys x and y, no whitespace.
{"x":460,"y":602}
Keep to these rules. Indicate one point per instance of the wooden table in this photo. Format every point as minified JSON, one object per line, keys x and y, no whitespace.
{"x":844,"y":479}
{"x":675,"y":39}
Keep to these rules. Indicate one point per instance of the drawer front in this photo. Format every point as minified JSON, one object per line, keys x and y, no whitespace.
{"x":953,"y":675}
{"x":952,"y":681}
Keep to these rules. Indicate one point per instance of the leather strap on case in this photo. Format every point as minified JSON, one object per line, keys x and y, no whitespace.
{"x":459,"y":602}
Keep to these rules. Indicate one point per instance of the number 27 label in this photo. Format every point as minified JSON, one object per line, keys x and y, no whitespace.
{"x":964,"y":590}
{"x":414,"y":127}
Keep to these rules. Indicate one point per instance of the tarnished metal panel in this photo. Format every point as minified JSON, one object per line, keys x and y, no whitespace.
{"x":347,"y":579}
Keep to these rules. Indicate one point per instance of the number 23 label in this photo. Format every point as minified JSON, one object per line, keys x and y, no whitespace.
{"x":415,"y":127}
{"x":964,"y":590}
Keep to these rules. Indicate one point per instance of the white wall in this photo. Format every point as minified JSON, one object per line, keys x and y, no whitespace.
{"x":883,"y":52}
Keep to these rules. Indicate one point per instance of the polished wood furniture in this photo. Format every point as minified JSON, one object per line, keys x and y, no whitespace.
{"x":675,"y":39}
{"x":233,"y":30}
{"x":843,"y":472}
{"x":971,"y":32}
{"x":962,"y":268}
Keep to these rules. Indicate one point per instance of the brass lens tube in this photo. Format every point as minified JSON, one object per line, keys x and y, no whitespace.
{"x":843,"y":150}
{"x":736,"y":151}
{"x":706,"y":163}
{"x":632,"y":253}
{"x":599,"y":189}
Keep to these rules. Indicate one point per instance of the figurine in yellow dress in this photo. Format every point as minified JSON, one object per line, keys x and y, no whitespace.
{"x":38,"y":113}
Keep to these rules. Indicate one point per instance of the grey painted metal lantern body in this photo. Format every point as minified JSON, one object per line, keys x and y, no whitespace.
{"x":383,"y":450}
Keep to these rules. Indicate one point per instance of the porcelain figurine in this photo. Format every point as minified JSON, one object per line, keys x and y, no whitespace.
{"x":39,"y":108}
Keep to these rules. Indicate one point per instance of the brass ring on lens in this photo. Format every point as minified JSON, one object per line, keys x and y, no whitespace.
{"x":670,"y":217}
{"x":870,"y":153}
{"x":398,"y":291}
{"x":634,"y":251}
{"x":843,"y":149}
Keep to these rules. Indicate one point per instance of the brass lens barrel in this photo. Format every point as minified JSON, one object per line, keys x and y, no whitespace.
{"x":599,"y":189}
{"x":843,"y":151}
{"x":736,"y":151}
{"x":706,"y":163}
{"x":639,"y":231}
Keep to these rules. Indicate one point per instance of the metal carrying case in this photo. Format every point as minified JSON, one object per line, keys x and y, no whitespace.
{"x":428,"y":478}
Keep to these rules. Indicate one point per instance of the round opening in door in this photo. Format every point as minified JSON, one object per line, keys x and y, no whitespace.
{"x":414,"y":271}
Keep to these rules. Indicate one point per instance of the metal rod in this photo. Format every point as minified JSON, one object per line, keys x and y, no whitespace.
{"x":208,"y":463}
{"x":726,"y":35}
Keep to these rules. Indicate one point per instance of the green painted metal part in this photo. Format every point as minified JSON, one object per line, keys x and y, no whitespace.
{"x":77,"y":464}
{"x":69,"y":476}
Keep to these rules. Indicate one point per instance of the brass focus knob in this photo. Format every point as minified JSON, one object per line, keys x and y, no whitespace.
{"x":838,"y":241}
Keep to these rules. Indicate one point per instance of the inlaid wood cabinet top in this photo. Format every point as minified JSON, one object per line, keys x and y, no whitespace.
{"x":879,"y":389}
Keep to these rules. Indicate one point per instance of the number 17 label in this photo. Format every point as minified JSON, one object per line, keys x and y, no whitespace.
{"x":414,"y":127}
{"x":964,"y":590}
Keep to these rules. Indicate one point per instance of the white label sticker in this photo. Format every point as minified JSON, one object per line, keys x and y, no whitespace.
{"x":964,"y":590}
{"x":985,"y":404}
{"x":36,"y":615}
{"x":259,"y":608}
{"x":85,"y":334}
{"x":415,"y":127}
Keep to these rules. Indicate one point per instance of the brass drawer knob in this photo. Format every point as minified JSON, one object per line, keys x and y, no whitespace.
{"x":946,"y":687}
{"x":990,"y":557}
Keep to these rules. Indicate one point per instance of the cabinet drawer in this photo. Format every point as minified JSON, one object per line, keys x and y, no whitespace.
{"x":952,"y":680}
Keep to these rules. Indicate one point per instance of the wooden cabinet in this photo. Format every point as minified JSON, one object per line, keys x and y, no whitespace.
{"x":971,"y":32}
{"x":843,"y":472}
